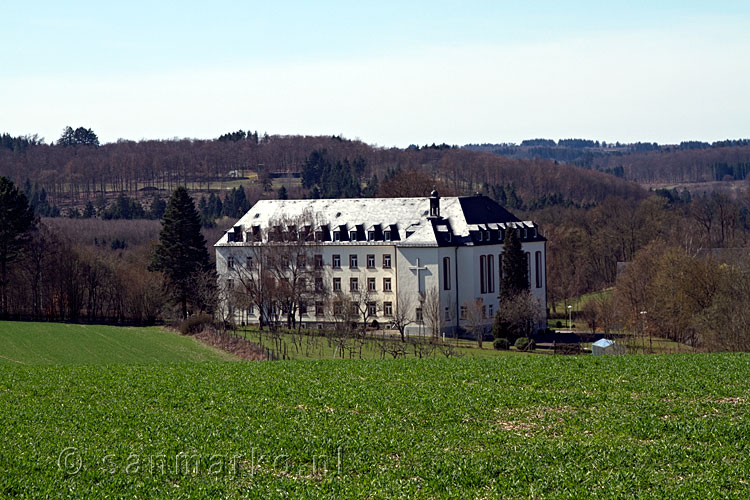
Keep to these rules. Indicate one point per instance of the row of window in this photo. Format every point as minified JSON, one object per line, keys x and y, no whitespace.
{"x":464,"y":312}
{"x":354,"y":261}
{"x":487,"y":311}
{"x":354,"y":285}
{"x":487,"y":271}
{"x":231,"y":264}
{"x":371,"y":235}
{"x":291,"y":233}
{"x":318,"y":261}
{"x":522,"y":233}
{"x":339,"y":309}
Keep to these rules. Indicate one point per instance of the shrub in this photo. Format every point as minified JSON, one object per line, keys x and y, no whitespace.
{"x":558,"y":324}
{"x":195,"y":324}
{"x":525,"y":344}
{"x":501,"y":344}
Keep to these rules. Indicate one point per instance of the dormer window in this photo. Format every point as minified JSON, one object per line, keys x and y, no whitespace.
{"x":501,"y":235}
{"x":533,"y":233}
{"x":448,"y":237}
{"x":337,"y":236}
{"x":487,"y":235}
{"x":371,"y":235}
{"x":353,"y":235}
{"x":480,"y":236}
{"x":387,"y":235}
{"x":524,"y":233}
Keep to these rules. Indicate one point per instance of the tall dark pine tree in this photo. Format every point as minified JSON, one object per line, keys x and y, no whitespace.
{"x":16,"y":220}
{"x":242,"y":205}
{"x":181,"y":252}
{"x":89,"y":211}
{"x":515,"y":273}
{"x":80,"y":136}
{"x":157,"y":207}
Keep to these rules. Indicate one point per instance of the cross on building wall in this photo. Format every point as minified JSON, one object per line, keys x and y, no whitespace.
{"x":418,"y":269}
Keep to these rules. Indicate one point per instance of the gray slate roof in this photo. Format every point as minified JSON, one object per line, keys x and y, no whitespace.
{"x":459,"y":216}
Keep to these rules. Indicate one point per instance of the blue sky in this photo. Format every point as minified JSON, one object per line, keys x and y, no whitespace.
{"x":390,"y":73}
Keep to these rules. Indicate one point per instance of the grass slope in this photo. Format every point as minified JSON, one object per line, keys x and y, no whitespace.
{"x":59,"y":343}
{"x":511,"y":427}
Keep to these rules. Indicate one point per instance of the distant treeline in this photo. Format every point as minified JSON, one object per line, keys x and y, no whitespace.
{"x":689,"y":161}
{"x":76,"y":173}
{"x":589,"y":143}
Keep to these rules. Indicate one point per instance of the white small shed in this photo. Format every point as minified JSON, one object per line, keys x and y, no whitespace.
{"x":605,"y":346}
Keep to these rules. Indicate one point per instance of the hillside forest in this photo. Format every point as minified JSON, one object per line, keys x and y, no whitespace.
{"x":667,"y":226}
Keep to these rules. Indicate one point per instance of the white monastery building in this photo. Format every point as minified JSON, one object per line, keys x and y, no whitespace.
{"x":398,"y":251}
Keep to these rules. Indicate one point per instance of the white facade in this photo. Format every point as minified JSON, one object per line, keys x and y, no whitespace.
{"x":450,"y":248}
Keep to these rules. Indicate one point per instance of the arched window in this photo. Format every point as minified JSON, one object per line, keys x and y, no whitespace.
{"x":446,"y":273}
{"x":490,"y":274}
{"x":538,"y":270}
{"x":482,"y":273}
{"x":528,"y":268}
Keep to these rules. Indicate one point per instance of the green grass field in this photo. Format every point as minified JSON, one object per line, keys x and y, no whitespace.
{"x":673,"y":426}
{"x":58,"y":343}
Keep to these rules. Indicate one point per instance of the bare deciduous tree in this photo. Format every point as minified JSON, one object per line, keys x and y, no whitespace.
{"x":344,"y":315}
{"x":431,"y":311}
{"x":364,"y":303}
{"x":402,"y":316}
{"x":517,"y":316}
{"x":475,"y":317}
{"x":279,"y":274}
{"x":293,"y":265}
{"x":591,"y":314}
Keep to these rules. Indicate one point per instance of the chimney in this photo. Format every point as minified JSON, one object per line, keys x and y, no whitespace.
{"x":434,"y":205}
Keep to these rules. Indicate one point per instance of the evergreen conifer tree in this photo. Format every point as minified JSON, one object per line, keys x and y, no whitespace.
{"x":515,"y":276}
{"x":157,"y":207}
{"x":215,"y":206}
{"x":181,"y":252}
{"x":241,"y":203}
{"x":16,"y":220}
{"x":89,"y":211}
